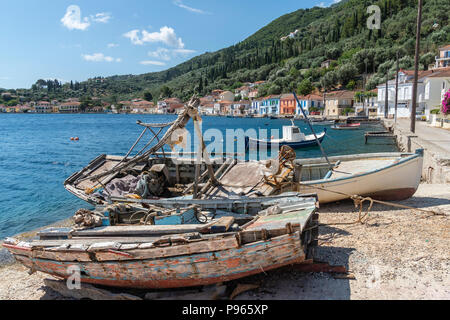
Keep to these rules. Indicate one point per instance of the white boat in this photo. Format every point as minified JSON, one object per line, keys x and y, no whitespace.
{"x":292,"y":137}
{"x":382,"y":176}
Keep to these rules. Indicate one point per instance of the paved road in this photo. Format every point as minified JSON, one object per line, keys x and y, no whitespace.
{"x":439,"y":137}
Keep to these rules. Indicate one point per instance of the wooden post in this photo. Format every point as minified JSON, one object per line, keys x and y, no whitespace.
{"x":416,"y":69}
{"x":396,"y":92}
{"x":386,"y":97}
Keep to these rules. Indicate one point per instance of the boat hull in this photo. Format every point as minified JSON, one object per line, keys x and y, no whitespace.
{"x":395,"y":182}
{"x":180,"y":271}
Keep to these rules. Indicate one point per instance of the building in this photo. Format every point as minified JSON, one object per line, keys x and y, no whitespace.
{"x":254,"y":107}
{"x":69,"y":107}
{"x":368,"y":106}
{"x":309,"y":101}
{"x":243,"y":91}
{"x":326,"y":63}
{"x":253,"y":93}
{"x":435,"y":86}
{"x":170,"y":105}
{"x":240,"y":108}
{"x":270,"y":105}
{"x":226,"y":96}
{"x":443,"y":60}
{"x":405,"y":84}
{"x":337,"y":101}
{"x":223,"y":107}
{"x":43,"y":107}
{"x":288,"y":105}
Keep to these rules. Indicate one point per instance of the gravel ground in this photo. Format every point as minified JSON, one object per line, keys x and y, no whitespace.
{"x":397,"y":254}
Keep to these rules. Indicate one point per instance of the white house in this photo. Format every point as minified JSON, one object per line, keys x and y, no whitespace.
{"x":405,"y":84}
{"x":436,"y":85}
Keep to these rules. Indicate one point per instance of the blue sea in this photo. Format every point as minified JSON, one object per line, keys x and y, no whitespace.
{"x":37,"y":155}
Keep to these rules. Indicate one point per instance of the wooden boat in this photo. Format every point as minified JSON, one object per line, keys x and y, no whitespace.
{"x":323,"y":122}
{"x":382,"y":176}
{"x":185,"y":255}
{"x":347,"y":126}
{"x":292,"y":137}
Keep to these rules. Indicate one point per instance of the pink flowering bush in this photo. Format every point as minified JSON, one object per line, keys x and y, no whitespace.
{"x":445,"y":109}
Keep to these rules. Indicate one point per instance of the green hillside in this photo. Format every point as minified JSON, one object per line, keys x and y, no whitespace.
{"x":338,"y":33}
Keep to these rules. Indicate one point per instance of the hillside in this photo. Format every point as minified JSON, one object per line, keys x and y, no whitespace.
{"x":338,"y":33}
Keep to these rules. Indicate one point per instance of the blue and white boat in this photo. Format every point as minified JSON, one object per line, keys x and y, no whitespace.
{"x":292,"y":137}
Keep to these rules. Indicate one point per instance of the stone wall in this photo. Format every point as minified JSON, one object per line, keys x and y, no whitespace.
{"x":436,"y":162}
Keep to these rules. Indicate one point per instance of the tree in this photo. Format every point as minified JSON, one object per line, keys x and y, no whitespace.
{"x":148,"y":95}
{"x":346,"y":73}
{"x":305,"y":87}
{"x":165,"y":92}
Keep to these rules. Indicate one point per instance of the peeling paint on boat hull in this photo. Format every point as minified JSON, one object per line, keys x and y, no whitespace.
{"x":181,"y":271}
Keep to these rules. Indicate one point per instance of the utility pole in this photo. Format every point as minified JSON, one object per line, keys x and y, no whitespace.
{"x":396,"y":92}
{"x":416,"y":69}
{"x":386,"y":97}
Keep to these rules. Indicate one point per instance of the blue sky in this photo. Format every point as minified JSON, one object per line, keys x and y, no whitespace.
{"x":76,"y":40}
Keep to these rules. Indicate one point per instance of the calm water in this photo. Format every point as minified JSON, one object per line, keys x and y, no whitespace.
{"x":36,"y":156}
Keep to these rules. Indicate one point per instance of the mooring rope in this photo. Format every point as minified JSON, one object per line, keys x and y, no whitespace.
{"x":359,"y":202}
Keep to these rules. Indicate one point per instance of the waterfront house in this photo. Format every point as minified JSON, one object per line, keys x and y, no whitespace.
{"x":443,"y":60}
{"x":141,"y":106}
{"x":240,"y":108}
{"x":254,"y":107}
{"x":287,"y":104}
{"x":435,"y":86}
{"x":405,"y":84}
{"x":270,"y":105}
{"x":43,"y":107}
{"x":216,"y":94}
{"x":206,"y":108}
{"x":69,"y":107}
{"x":169,"y":105}
{"x":368,"y":106}
{"x":309,"y":101}
{"x":2,"y":108}
{"x":223,"y":107}
{"x":337,"y":101}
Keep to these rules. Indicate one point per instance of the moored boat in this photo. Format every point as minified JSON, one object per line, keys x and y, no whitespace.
{"x":292,"y":137}
{"x":382,"y":176}
{"x":347,"y":126}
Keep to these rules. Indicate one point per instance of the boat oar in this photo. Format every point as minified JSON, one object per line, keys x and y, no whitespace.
{"x":312,"y":130}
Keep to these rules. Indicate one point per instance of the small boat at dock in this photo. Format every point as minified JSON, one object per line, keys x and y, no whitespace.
{"x":347,"y":126}
{"x":292,"y":137}
{"x":382,"y":176}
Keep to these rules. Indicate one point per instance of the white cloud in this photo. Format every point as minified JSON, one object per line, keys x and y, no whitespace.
{"x":165,"y":35}
{"x":151,"y":62}
{"x":100,"y":57}
{"x":102,"y":17}
{"x":72,"y":19}
{"x":112,"y":45}
{"x":167,"y":54}
{"x":180,"y":4}
{"x":160,"y":53}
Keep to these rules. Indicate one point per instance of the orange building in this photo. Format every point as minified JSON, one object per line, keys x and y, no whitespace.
{"x":287,"y":104}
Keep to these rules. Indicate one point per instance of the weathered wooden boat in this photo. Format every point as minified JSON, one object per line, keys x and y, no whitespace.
{"x":283,"y":232}
{"x":347,"y":126}
{"x":382,"y":176}
{"x":292,"y":137}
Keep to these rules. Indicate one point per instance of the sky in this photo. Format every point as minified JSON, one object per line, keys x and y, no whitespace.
{"x":77,"y":40}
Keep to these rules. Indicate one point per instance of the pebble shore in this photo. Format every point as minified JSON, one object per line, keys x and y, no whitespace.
{"x":397,"y":254}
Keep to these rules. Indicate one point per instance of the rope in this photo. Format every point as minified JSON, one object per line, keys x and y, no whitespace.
{"x":359,"y":202}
